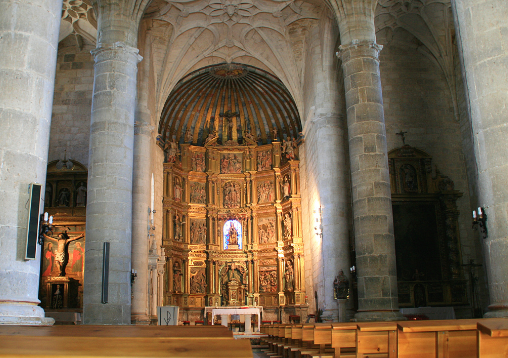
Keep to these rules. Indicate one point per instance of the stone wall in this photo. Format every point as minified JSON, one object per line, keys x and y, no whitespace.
{"x":72,"y":104}
{"x":417,"y":99}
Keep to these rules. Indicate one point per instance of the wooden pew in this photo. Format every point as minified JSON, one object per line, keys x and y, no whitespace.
{"x":376,"y":339}
{"x":187,"y":332}
{"x":98,"y":347}
{"x":120,"y":341}
{"x":344,"y":339}
{"x":493,"y":338}
{"x":438,"y":338}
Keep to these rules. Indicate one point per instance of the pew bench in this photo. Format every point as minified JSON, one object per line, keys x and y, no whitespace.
{"x":493,"y":338}
{"x":120,"y":341}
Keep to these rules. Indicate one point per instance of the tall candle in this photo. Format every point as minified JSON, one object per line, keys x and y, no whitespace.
{"x":152,"y":198}
{"x":474,"y":214}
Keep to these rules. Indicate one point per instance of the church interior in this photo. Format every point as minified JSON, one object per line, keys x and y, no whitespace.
{"x":332,"y":160}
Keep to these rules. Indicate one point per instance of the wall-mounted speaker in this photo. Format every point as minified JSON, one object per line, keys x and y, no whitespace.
{"x":105,"y":272}
{"x":32,"y":235}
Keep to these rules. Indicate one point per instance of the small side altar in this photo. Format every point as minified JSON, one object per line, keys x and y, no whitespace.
{"x":246,"y":311}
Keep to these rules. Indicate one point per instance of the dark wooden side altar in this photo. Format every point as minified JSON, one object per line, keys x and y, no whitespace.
{"x":427,"y":240}
{"x":232,"y":216}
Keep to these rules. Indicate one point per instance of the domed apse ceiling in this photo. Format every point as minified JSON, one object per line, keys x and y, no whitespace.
{"x":234,"y":100}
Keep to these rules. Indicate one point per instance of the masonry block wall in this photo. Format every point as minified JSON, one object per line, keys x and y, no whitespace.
{"x":72,"y":103}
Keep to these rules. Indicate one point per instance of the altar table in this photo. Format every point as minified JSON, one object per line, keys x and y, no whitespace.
{"x":225,"y":312}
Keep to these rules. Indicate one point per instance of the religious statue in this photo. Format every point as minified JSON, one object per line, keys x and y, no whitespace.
{"x":288,"y":147}
{"x":177,"y":278}
{"x":289,"y":276}
{"x":64,"y":197}
{"x":81,"y":195}
{"x":274,"y":134}
{"x":188,"y":136}
{"x":286,"y":188}
{"x":198,"y":282}
{"x":233,"y":235}
{"x":287,"y":226}
{"x":57,"y":299}
{"x":61,"y":255}
{"x":178,"y":227}
{"x":177,"y":189}
{"x":171,"y":150}
{"x":341,"y":287}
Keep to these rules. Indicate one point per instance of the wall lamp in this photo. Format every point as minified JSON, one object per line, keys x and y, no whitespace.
{"x":480,"y":219}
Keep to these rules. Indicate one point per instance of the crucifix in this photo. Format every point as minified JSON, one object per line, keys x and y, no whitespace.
{"x":402,"y":134}
{"x":229,"y":118}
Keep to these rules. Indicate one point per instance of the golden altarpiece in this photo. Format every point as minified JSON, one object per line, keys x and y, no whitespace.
{"x":232,"y":225}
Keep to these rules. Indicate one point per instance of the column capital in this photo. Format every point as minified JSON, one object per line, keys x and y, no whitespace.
{"x":105,"y":51}
{"x":359,"y":49}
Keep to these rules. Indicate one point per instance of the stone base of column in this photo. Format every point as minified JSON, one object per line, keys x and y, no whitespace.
{"x":369,"y":316}
{"x":497,"y":311}
{"x":24,"y":314}
{"x":140,"y":319}
{"x":330,"y":315}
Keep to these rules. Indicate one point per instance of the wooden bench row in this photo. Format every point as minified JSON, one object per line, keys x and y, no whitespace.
{"x":470,"y":338}
{"x":121,"y":341}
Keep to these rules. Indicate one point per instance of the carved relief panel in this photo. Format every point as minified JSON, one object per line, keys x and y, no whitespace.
{"x":265,"y":192}
{"x":266,"y":230}
{"x":198,"y":231}
{"x":198,"y":193}
{"x":231,"y":163}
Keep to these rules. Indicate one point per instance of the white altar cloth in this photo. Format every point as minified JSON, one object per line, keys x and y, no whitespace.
{"x":225,"y":312}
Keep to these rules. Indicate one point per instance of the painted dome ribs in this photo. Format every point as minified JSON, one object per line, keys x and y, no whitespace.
{"x":260,"y":102}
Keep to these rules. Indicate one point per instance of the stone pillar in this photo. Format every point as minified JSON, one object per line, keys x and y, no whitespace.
{"x":109,"y":209}
{"x":482,"y":32}
{"x":370,"y":180}
{"x":28,"y":48}
{"x":141,"y":196}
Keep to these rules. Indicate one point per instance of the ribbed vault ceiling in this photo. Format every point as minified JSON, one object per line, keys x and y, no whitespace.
{"x":230,"y":99}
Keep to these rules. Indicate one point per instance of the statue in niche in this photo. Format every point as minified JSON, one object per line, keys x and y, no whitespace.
{"x":231,"y":163}
{"x":177,"y":277}
{"x":171,"y":150}
{"x":62,"y":254}
{"x":265,"y":192}
{"x":178,"y":227}
{"x":274,"y":134}
{"x":288,"y":148}
{"x":232,"y":195}
{"x":409,"y":178}
{"x":198,"y":232}
{"x":64,"y":197}
{"x":198,"y":162}
{"x":289,"y":276}
{"x":198,"y":282}
{"x":57,"y":299}
{"x":264,"y":160}
{"x":286,"y":187}
{"x":233,"y":236}
{"x":266,"y":230}
{"x":198,"y":194}
{"x":341,"y":287}
{"x":81,"y":195}
{"x":177,"y":189}
{"x":188,"y":136}
{"x":268,"y":281}
{"x":287,"y":226}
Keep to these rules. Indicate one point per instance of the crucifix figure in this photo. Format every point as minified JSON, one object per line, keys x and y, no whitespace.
{"x":229,"y":118}
{"x":402,"y":134}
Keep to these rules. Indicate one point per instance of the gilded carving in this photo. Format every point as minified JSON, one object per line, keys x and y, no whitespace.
{"x":231,"y":163}
{"x":198,"y":232}
{"x":264,"y":160}
{"x":198,"y":193}
{"x":177,"y":189}
{"x":232,"y":195}
{"x":198,"y":281}
{"x":266,"y":230}
{"x":265,"y":192}
{"x":288,"y":222}
{"x":198,"y":161}
{"x":268,"y":281}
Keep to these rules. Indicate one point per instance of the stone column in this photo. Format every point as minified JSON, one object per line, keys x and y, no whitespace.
{"x":370,"y":179}
{"x":482,"y":32}
{"x":28,"y":48}
{"x":141,"y":196}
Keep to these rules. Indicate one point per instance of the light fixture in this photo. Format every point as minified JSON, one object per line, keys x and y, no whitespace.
{"x":480,"y":219}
